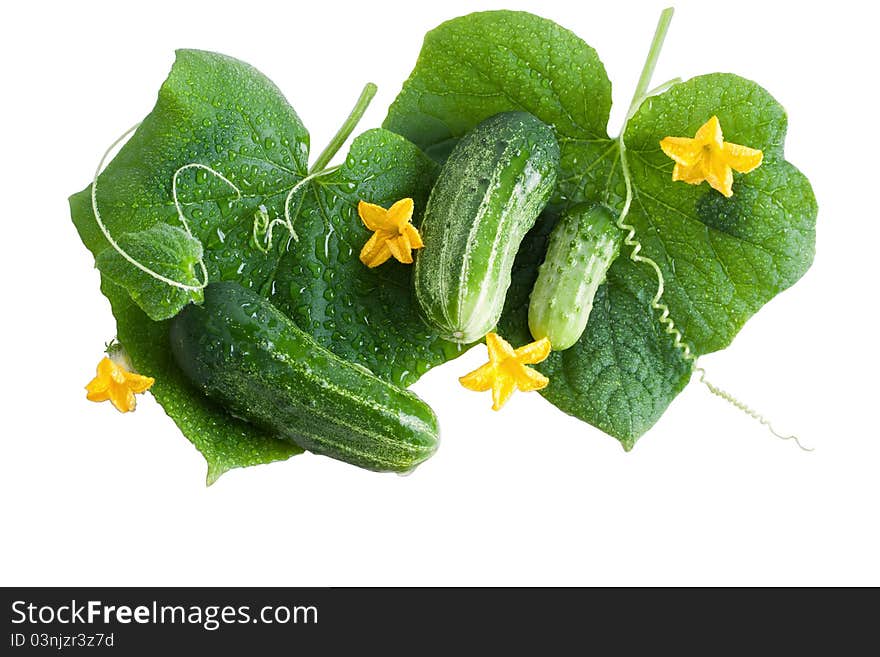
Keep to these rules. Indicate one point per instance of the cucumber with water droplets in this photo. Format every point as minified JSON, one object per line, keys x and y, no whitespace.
{"x":581,"y":248}
{"x":248,"y":356}
{"x":488,"y":195}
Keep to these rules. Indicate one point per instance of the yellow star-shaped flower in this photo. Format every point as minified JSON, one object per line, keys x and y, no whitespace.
{"x":116,"y":383}
{"x":506,"y":370}
{"x":393,"y":234}
{"x":708,"y":157}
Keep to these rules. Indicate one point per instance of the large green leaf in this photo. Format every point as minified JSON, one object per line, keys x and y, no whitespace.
{"x":721,"y":258}
{"x":219,"y":112}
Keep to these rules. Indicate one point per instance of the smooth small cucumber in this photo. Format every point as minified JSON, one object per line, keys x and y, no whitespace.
{"x":494,"y":185}
{"x":582,"y":247}
{"x":247,"y":355}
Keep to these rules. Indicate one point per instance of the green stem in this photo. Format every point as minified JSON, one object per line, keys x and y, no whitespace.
{"x":640,"y":94}
{"x":346,"y":129}
{"x":651,"y":60}
{"x":631,"y":239}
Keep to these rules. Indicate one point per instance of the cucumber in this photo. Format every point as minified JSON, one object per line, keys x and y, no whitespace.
{"x":494,"y":185}
{"x":582,"y":247}
{"x":247,"y":355}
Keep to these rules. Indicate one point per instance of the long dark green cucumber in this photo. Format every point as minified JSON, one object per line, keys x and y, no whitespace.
{"x":582,"y":247}
{"x":247,"y":355}
{"x":494,"y":185}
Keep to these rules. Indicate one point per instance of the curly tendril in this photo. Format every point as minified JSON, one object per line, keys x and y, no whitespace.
{"x":119,"y":249}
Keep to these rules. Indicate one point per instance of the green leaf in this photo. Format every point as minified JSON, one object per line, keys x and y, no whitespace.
{"x":722,"y":258}
{"x":223,"y":113}
{"x":168,"y":251}
{"x":365,"y":315}
{"x":496,"y":61}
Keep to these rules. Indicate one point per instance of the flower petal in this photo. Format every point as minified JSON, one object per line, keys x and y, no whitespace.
{"x":98,"y":384}
{"x":720,"y":176}
{"x":498,"y":347}
{"x":375,"y":217}
{"x":692,"y":175}
{"x":415,"y":239}
{"x":742,"y":158}
{"x":710,"y":133}
{"x":375,"y":251}
{"x":118,"y":374}
{"x":138,"y":383}
{"x":502,"y":388}
{"x":528,"y":379}
{"x":405,"y":246}
{"x":122,"y":398}
{"x":480,"y":379}
{"x":98,"y":394}
{"x":399,"y":247}
{"x":106,"y":368}
{"x":683,"y":150}
{"x":534,"y":352}
{"x":401,"y":212}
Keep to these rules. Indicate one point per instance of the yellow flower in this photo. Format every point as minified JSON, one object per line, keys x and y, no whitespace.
{"x":506,"y":370}
{"x":116,"y":383}
{"x":393,"y":234}
{"x":708,"y":157}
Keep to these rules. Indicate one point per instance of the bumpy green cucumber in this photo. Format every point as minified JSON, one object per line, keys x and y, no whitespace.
{"x":582,"y":247}
{"x":496,"y":181}
{"x":244,"y":353}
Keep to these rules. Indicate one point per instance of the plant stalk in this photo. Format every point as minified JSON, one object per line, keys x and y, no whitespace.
{"x":651,"y":60}
{"x":346,"y":129}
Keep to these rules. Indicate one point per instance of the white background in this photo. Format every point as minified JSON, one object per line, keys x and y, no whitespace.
{"x":525,"y":496}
